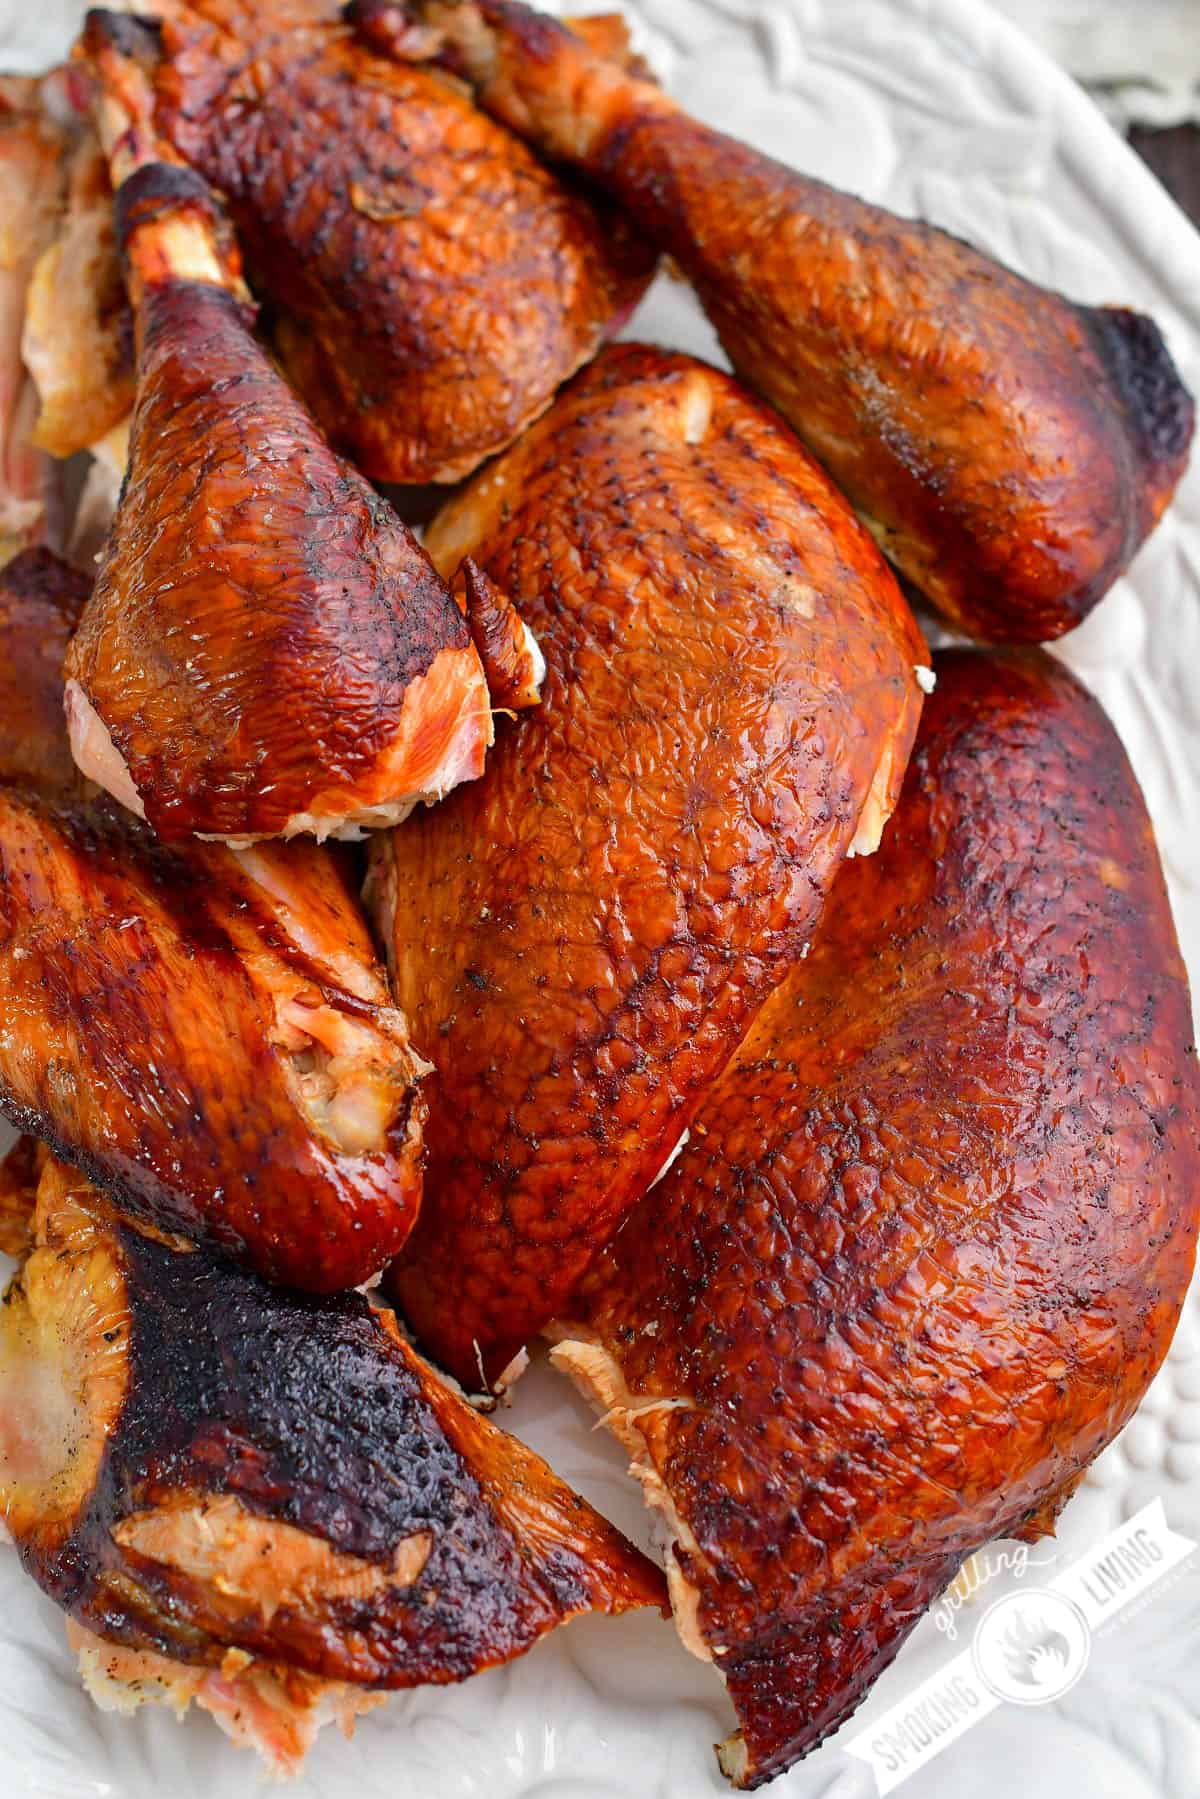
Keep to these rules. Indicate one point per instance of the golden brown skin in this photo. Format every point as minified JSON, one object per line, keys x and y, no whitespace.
{"x":583,"y":938}
{"x":435,"y":283}
{"x":198,"y":1465}
{"x":268,"y":648}
{"x":1009,"y":448}
{"x":931,"y":1235}
{"x":77,"y":339}
{"x":186,"y":1023}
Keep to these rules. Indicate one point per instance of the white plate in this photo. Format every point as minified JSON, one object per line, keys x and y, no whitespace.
{"x":937,"y":107}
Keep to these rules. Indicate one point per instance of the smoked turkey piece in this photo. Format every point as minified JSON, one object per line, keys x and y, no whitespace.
{"x":35,"y":147}
{"x":77,"y":339}
{"x":20,"y":1172}
{"x":263,"y":1502}
{"x":581,"y":939}
{"x":66,"y":332}
{"x":434,"y":283}
{"x":268,"y":650}
{"x":205,"y":1030}
{"x":931,"y":1235}
{"x":1009,"y":448}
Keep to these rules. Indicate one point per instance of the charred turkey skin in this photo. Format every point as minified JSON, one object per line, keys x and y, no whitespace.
{"x":213,"y":1465}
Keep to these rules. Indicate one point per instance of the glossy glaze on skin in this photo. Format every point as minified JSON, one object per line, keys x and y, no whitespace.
{"x":930,"y":1237}
{"x":582,"y":939}
{"x":246,"y":1476}
{"x":1010,"y":449}
{"x":268,"y":647}
{"x":204,"y":1030}
{"x":162,"y":1027}
{"x":434,"y":282}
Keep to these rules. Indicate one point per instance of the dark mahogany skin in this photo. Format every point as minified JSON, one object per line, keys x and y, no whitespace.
{"x":138,"y":991}
{"x":317,"y":1418}
{"x":140,"y":1039}
{"x":41,"y":599}
{"x":581,"y":939}
{"x":1011,"y":449}
{"x":933,"y":1241}
{"x":436,"y":282}
{"x":266,"y":640}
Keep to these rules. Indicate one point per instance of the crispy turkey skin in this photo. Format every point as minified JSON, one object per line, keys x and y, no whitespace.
{"x":175,"y":1026}
{"x":433,"y":283}
{"x":1009,"y":448}
{"x":205,"y":1030}
{"x":271,"y":1492}
{"x":930,"y":1237}
{"x":268,"y":650}
{"x":582,"y":939}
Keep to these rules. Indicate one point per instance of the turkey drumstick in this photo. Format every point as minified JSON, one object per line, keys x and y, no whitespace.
{"x":1009,"y":449}
{"x":262,"y":1502}
{"x":204,"y":1029}
{"x":267,"y":650}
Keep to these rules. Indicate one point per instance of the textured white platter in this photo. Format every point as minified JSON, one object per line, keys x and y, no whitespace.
{"x":937,"y":107}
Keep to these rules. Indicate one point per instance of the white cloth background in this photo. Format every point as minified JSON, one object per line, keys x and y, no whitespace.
{"x":1142,"y":55}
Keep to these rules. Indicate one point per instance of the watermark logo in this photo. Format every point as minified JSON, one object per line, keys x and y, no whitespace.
{"x":1031,"y":1647}
{"x":1028,"y":1648}
{"x":977,"y":1572}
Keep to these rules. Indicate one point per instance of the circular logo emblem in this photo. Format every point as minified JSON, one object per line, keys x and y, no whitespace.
{"x":1031,"y":1646}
